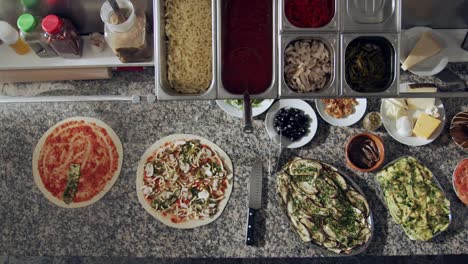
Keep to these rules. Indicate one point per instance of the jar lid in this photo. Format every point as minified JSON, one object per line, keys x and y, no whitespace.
{"x":30,"y":3}
{"x":8,"y":34}
{"x":52,"y":24}
{"x":27,"y":22}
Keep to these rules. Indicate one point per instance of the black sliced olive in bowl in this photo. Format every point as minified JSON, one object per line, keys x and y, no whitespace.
{"x":291,"y":123}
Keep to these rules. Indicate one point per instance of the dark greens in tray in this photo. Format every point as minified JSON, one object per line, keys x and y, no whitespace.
{"x":369,"y":64}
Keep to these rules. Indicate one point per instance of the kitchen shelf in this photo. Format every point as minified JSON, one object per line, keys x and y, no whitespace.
{"x":12,"y":61}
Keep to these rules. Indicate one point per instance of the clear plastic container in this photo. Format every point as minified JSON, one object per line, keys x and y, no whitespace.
{"x":32,"y":33}
{"x":62,"y":36}
{"x":11,"y":37}
{"x":128,"y":40}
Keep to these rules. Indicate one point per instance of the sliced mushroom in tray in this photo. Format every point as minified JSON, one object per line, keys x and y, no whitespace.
{"x":324,"y":206}
{"x":307,"y":66}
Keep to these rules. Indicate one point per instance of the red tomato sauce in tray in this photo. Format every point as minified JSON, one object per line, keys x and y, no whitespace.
{"x":247,"y":45}
{"x":309,"y":13}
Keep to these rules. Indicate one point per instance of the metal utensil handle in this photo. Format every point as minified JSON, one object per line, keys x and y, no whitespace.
{"x":249,"y":240}
{"x":248,"y":127}
{"x":454,"y":81}
{"x":117,"y":11}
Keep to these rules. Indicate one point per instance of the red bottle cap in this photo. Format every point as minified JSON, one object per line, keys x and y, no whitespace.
{"x":52,"y":24}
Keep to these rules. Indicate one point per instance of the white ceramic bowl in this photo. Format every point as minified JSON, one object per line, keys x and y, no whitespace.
{"x":237,"y":112}
{"x":359,"y":112}
{"x":291,"y":103}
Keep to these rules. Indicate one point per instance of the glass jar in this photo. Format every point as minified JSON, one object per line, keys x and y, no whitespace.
{"x":62,"y":36}
{"x":32,"y":33}
{"x":129,"y":39}
{"x":372,"y":121}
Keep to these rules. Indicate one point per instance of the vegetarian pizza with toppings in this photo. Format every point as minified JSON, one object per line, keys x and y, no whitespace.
{"x":184,"y":181}
{"x":77,"y":161}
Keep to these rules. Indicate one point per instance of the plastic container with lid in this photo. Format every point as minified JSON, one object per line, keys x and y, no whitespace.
{"x":32,"y":33}
{"x":62,"y":36}
{"x":10,"y":36}
{"x":129,"y":39}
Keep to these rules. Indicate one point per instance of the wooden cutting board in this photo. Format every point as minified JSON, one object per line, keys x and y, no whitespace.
{"x":22,"y":76}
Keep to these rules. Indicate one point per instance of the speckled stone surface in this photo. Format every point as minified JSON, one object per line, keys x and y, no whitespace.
{"x":459,"y":69}
{"x":441,"y":259}
{"x":140,"y":83}
{"x":118,"y":226}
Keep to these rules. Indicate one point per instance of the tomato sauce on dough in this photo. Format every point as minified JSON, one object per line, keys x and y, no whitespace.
{"x":78,"y":142}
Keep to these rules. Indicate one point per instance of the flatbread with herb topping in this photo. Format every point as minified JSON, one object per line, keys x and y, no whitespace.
{"x":184,"y":181}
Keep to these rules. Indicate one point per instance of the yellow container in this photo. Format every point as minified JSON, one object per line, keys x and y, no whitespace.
{"x":10,"y":36}
{"x":20,"y":47}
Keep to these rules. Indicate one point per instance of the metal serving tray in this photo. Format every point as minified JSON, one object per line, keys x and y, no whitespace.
{"x":370,"y":219}
{"x":332,"y":42}
{"x":393,"y":88}
{"x":272,"y":91}
{"x":164,"y":90}
{"x":434,"y":180}
{"x":371,"y":15}
{"x":332,"y":26}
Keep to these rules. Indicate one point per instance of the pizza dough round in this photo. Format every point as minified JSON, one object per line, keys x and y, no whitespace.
{"x":37,"y":151}
{"x":141,"y":170}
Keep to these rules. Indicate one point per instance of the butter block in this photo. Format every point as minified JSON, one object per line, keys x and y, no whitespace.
{"x":425,"y":126}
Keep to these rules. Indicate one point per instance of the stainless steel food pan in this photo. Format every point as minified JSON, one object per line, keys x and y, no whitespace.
{"x":393,"y":40}
{"x":332,"y":26}
{"x":272,"y":91}
{"x":371,"y":15}
{"x":332,"y":43}
{"x":163,"y":88}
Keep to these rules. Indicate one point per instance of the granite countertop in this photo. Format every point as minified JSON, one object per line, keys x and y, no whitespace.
{"x":117,"y":225}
